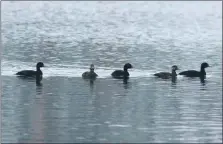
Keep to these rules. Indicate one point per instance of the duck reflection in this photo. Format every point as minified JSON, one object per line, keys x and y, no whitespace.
{"x":126,"y":83}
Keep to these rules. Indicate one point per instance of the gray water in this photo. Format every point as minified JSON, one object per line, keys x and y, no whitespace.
{"x":152,"y":36}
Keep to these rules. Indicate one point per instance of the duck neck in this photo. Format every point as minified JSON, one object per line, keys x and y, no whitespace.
{"x":125,"y":70}
{"x":174,"y":73}
{"x":38,"y":69}
{"x":203,"y":71}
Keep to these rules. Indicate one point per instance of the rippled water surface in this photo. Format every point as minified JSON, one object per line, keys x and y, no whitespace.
{"x":152,"y":36}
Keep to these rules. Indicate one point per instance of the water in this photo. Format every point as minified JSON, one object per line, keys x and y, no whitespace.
{"x":152,"y":36}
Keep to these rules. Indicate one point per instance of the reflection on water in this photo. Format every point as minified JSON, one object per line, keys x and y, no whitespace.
{"x":39,"y":79}
{"x":174,"y":80}
{"x":150,"y":110}
{"x":126,"y":83}
{"x":39,"y":84}
{"x":91,"y":82}
{"x":202,"y":80}
{"x":203,"y":84}
{"x":36,"y":79}
{"x":125,"y":80}
{"x":39,"y":88}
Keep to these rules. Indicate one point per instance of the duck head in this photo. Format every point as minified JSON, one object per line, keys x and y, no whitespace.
{"x":204,"y":65}
{"x":127,"y":66}
{"x":175,"y":67}
{"x":39,"y":65}
{"x":92,"y":67}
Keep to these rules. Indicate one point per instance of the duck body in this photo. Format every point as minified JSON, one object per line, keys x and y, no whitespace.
{"x":167,"y":75}
{"x":191,"y":73}
{"x":29,"y":73}
{"x":32,"y":73}
{"x":164,"y":75}
{"x":122,"y":74}
{"x":194,"y":73}
{"x":90,"y":74}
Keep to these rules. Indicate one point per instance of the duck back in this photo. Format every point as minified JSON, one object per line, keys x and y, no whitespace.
{"x":190,"y":73}
{"x":163,"y":75}
{"x":28,"y":73}
{"x":120,"y":73}
{"x":89,"y":75}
